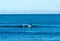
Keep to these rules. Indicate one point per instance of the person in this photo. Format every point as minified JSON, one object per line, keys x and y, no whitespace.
{"x":30,"y":25}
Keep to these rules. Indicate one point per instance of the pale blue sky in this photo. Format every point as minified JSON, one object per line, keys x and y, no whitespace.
{"x":29,"y":6}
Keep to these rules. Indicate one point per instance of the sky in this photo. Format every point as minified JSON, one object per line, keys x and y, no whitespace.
{"x":29,"y":6}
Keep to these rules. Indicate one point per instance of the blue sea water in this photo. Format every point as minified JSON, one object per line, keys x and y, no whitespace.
{"x":48,"y":30}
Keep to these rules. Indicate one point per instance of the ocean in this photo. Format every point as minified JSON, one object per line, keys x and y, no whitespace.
{"x":48,"y":27}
